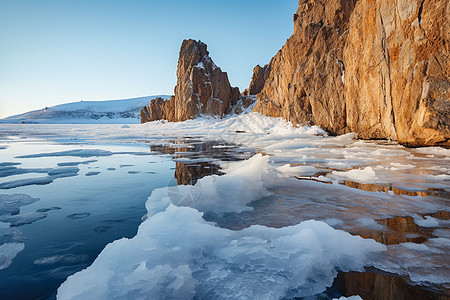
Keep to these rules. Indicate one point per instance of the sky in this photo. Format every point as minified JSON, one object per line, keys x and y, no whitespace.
{"x":59,"y":51}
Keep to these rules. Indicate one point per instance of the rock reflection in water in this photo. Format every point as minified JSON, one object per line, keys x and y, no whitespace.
{"x":386,"y":188}
{"x":188,"y":174}
{"x":373,"y":187}
{"x":198,"y":157}
{"x":377,"y":285}
{"x":399,"y":230}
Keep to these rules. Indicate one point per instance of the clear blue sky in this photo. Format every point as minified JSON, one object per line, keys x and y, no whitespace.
{"x":58,"y":51}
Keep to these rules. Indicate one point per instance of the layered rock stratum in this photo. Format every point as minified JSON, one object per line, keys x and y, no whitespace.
{"x":376,"y":67}
{"x":202,"y":89}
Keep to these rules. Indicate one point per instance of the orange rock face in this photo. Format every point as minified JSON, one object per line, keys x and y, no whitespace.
{"x":376,"y":67}
{"x":159,"y":109}
{"x":202,"y":88}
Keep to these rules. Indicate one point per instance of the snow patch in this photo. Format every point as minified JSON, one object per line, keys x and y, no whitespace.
{"x":288,"y":171}
{"x":365,"y":175}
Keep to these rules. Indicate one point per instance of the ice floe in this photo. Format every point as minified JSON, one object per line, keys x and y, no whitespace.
{"x":11,"y":170}
{"x":52,"y":174}
{"x":6,"y":164}
{"x":10,"y":203}
{"x":93,"y":173}
{"x":8,"y":252}
{"x":287,"y":170}
{"x":76,"y":163}
{"x":22,"y":219}
{"x":364,"y":175}
{"x":11,"y":240}
{"x":177,"y":254}
{"x":63,"y":171}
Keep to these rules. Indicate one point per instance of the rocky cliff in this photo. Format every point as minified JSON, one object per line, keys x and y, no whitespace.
{"x":202,"y":88}
{"x":376,"y":67}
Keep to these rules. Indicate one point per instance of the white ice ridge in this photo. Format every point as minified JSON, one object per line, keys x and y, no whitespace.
{"x":242,"y":183}
{"x":176,"y":254}
{"x":287,"y":170}
{"x":364,"y":175}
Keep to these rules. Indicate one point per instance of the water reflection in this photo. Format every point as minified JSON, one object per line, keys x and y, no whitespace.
{"x":377,"y":285}
{"x":196,"y":159}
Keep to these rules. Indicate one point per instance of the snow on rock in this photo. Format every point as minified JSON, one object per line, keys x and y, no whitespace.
{"x":176,"y":254}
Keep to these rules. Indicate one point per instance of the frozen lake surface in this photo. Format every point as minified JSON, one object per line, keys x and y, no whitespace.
{"x":245,"y":207}
{"x":73,"y":214}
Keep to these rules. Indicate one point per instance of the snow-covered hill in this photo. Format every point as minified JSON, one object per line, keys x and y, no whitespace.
{"x":102,"y":112}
